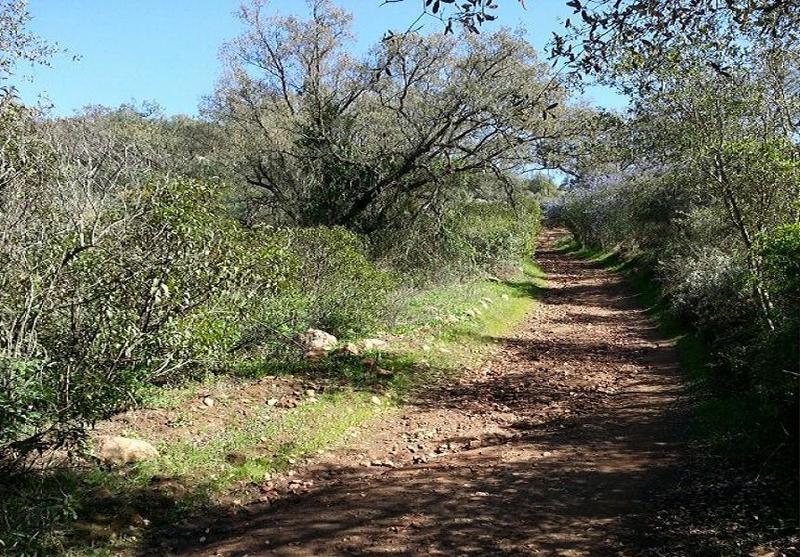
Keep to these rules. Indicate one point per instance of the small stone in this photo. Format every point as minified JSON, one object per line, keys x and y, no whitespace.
{"x":375,"y":400}
{"x":349,"y":349}
{"x":315,"y":340}
{"x":208,"y":401}
{"x":123,"y":450}
{"x":369,"y":344}
{"x":272,"y":402}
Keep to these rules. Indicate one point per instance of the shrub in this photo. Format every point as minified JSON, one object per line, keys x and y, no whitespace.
{"x":468,"y":238}
{"x":779,"y":254}
{"x":336,"y":286}
{"x":494,"y":236}
{"x":139,"y":285}
{"x":779,"y":351}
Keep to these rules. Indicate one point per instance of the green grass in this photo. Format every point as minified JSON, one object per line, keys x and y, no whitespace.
{"x":730,"y":423}
{"x":431,"y":344}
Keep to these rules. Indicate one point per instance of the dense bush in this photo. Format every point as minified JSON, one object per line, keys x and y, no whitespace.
{"x":779,"y":255}
{"x":110,"y":295}
{"x":336,"y":287}
{"x":493,"y":236}
{"x":468,"y":238}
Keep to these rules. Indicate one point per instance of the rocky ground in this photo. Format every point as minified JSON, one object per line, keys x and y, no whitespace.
{"x":569,"y":441}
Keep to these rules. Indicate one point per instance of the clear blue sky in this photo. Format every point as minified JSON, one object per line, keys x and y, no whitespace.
{"x":166,"y":50}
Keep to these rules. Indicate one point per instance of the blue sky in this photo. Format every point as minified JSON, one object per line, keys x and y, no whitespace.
{"x":166,"y":50}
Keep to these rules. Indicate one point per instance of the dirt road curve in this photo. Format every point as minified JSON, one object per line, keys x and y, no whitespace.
{"x":555,"y":447}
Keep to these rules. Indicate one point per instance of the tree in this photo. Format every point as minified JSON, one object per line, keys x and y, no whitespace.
{"x":611,"y":33}
{"x":604,"y":33}
{"x":335,"y":141}
{"x":17,"y":43}
{"x":718,"y":152}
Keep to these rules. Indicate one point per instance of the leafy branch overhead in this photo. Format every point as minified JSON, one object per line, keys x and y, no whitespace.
{"x":602,"y":34}
{"x":471,"y":14}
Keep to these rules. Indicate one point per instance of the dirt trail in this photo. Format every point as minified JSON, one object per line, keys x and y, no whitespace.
{"x":556,"y":446}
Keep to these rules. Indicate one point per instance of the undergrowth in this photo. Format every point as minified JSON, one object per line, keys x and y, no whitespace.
{"x":87,"y":511}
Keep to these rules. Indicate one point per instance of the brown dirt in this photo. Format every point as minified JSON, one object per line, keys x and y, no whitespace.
{"x":556,"y":446}
{"x":235,"y":402}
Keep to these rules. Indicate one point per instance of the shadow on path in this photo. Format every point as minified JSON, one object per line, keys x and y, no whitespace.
{"x":554,"y":447}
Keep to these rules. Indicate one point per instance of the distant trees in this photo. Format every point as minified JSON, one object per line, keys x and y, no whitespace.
{"x":332,"y":140}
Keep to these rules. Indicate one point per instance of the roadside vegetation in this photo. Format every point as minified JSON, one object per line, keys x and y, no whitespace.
{"x":169,"y":266}
{"x":332,"y":233}
{"x":698,"y":185}
{"x":706,"y":200}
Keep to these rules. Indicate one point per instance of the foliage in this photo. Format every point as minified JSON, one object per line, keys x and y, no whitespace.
{"x":779,"y":253}
{"x":322,"y":139}
{"x":492,"y":236}
{"x":704,"y":192}
{"x":17,"y":43}
{"x":337,"y":287}
{"x":113,"y":304}
{"x":113,"y":277}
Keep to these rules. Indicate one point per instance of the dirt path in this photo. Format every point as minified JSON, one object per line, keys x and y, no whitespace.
{"x":555,"y":447}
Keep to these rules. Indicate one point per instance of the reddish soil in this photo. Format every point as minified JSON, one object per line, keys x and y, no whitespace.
{"x":560,"y":445}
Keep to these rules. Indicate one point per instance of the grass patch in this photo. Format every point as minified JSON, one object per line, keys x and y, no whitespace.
{"x":438,"y":333}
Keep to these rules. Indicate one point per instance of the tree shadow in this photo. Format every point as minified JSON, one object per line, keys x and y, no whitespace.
{"x":570,"y":472}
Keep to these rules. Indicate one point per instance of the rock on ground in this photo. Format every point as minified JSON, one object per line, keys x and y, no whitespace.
{"x":114,"y":449}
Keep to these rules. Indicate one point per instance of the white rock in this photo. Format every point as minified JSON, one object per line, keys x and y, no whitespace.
{"x":368,"y":344}
{"x":208,"y":401}
{"x":114,"y":449}
{"x":315,"y":340}
{"x":375,"y":400}
{"x":349,"y":349}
